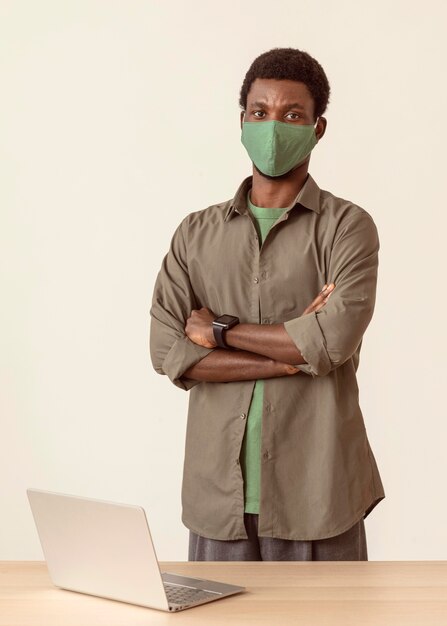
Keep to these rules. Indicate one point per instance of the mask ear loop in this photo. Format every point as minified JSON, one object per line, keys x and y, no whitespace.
{"x":315,"y":128}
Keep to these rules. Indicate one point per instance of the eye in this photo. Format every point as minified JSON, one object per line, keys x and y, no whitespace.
{"x":298,"y":116}
{"x":254,"y":113}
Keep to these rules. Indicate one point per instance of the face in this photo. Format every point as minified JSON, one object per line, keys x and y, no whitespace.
{"x":285,"y":101}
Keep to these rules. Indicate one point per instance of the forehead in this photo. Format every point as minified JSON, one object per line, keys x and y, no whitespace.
{"x":279,"y":92}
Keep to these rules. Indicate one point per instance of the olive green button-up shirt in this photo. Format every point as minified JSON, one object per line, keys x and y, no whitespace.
{"x":318,"y":472}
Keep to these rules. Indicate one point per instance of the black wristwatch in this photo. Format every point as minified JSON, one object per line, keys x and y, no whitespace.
{"x":220,"y":325}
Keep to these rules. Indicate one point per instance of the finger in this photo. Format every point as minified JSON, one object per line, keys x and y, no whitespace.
{"x":325,"y":299}
{"x":319,"y":302}
{"x":323,"y":293}
{"x":320,"y":299}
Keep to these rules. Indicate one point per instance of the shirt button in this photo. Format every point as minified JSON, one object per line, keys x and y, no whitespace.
{"x":242,"y":416}
{"x":266,"y":455}
{"x":265,"y":320}
{"x":256,"y":280}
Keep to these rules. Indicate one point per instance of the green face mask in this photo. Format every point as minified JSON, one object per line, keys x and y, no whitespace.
{"x":277,"y":147}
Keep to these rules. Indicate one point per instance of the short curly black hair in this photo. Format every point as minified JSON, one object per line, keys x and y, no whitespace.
{"x":289,"y":64}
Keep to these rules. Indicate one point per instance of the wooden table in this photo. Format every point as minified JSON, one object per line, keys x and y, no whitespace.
{"x":311,"y":593}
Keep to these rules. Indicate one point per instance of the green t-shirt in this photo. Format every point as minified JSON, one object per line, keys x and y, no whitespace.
{"x":251,"y":444}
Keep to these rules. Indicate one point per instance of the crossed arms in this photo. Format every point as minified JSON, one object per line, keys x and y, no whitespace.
{"x":321,"y":339}
{"x":264,"y":351}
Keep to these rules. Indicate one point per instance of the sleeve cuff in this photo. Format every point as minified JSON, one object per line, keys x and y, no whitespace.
{"x":182,"y":355}
{"x":306,"y":333}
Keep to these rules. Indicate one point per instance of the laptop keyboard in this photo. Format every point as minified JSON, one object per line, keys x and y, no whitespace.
{"x":177,"y":594}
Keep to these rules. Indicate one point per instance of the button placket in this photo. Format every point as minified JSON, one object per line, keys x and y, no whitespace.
{"x":256,"y":281}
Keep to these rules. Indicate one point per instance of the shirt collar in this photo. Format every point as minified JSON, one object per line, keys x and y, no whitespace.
{"x":308,"y":197}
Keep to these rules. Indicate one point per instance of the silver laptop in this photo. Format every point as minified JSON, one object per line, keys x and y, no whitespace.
{"x":105,"y":549}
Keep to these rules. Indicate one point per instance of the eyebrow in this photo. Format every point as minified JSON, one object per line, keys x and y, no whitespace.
{"x":289,"y":105}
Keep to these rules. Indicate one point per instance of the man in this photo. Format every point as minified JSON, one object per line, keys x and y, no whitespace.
{"x":277,"y":460}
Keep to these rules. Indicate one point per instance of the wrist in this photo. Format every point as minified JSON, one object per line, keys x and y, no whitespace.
{"x":220,"y":326}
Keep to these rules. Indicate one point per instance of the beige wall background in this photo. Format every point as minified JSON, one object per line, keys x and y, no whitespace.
{"x":117,"y":119}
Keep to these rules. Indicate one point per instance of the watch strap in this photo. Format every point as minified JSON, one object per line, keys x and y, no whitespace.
{"x":219,"y":336}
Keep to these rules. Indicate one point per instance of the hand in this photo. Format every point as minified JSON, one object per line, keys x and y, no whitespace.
{"x":320,"y":300}
{"x":199,"y":327}
{"x":315,"y":305}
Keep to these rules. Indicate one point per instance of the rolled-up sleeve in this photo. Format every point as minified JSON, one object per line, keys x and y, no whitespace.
{"x":171,"y":350}
{"x":329,"y":337}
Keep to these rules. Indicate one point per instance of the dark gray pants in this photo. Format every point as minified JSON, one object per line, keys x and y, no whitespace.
{"x":349,"y":546}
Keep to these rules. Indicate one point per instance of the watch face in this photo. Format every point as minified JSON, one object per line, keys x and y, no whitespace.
{"x":225,"y":319}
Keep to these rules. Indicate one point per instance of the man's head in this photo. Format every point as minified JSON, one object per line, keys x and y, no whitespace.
{"x":292,"y":66}
{"x":287,"y":85}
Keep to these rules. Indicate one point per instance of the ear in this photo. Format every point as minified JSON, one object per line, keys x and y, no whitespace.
{"x":321,"y":127}
{"x":242,"y":118}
